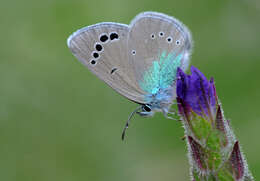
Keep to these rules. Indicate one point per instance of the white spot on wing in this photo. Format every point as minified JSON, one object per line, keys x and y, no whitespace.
{"x":161,"y":34}
{"x":169,"y":39}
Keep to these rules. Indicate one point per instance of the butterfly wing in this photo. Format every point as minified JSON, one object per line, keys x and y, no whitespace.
{"x":157,"y":45}
{"x":103,"y":49}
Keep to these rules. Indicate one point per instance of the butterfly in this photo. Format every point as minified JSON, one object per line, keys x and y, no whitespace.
{"x":139,"y":61}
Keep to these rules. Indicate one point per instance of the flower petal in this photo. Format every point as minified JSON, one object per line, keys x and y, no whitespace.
{"x":196,"y":91}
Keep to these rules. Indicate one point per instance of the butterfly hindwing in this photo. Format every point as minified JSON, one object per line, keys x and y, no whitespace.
{"x":157,"y":45}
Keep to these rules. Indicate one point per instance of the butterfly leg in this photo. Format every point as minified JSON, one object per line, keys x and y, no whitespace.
{"x":166,"y":114}
{"x":173,"y":110}
{"x":168,"y":117}
{"x":145,"y":114}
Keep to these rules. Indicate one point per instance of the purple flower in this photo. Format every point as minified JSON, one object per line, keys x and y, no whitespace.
{"x":209,"y":135}
{"x":195,"y":92}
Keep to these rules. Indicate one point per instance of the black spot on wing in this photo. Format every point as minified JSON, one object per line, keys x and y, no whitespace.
{"x":113,"y":36}
{"x":103,"y":38}
{"x":93,"y":62}
{"x":95,"y":55}
{"x":113,"y":70}
{"x":98,"y":47}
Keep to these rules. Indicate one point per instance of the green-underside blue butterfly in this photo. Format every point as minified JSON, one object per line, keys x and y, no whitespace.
{"x":139,"y":60}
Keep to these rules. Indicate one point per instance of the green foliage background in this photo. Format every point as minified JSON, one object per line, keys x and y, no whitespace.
{"x":59,"y":122}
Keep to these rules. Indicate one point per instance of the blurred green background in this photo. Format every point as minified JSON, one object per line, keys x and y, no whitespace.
{"x":58,"y":122}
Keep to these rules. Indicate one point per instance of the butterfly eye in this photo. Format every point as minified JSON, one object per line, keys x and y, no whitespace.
{"x":113,"y":36}
{"x":161,"y":34}
{"x":169,"y":39}
{"x":147,"y":108}
{"x":103,"y":38}
{"x":98,"y":47}
{"x":93,"y":62}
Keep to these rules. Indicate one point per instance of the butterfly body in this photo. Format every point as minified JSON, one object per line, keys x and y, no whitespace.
{"x":139,"y":60}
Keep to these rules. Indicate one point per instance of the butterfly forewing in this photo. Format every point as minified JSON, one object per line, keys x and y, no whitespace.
{"x":103,"y":49}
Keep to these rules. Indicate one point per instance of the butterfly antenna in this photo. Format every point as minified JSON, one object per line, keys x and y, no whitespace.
{"x":128,"y":121}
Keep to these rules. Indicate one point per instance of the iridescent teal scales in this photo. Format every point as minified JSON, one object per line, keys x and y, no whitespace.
{"x":161,"y":74}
